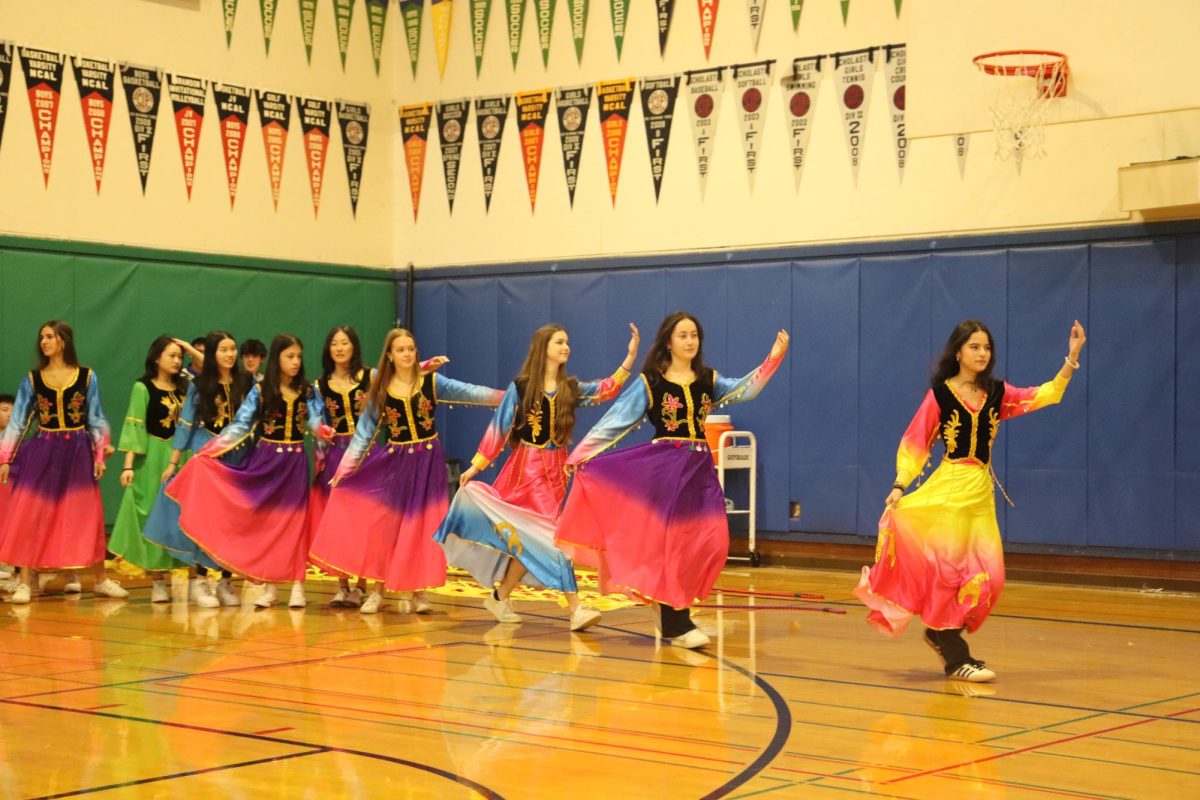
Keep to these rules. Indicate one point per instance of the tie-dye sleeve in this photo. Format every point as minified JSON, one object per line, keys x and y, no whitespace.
{"x":133,"y":429}
{"x":917,"y":441}
{"x":18,"y":422}
{"x":1018,"y":401}
{"x":496,"y":435}
{"x":448,"y":390}
{"x":360,"y":444}
{"x":747,"y":387}
{"x":593,"y":393}
{"x":624,"y":414}
{"x":239,"y":430}
{"x":97,"y":423}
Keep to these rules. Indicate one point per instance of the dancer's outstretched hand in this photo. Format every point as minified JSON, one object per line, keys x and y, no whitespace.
{"x":781,"y":344}
{"x":893,"y":496}
{"x":1076,"y":342}
{"x":466,"y":477}
{"x":168,"y":472}
{"x":635,"y":340}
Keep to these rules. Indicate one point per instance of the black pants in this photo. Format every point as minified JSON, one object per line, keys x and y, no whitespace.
{"x":951,"y":646}
{"x":674,"y":622}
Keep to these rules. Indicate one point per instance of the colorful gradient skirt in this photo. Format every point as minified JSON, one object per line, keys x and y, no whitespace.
{"x":162,"y":523}
{"x":318,"y":496}
{"x":54,"y":518}
{"x":251,"y":518}
{"x":380,"y":520}
{"x":938,"y":556}
{"x":652,"y":519}
{"x":513,"y":518}
{"x":137,"y":501}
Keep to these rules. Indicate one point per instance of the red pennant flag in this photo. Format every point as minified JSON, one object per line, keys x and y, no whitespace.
{"x":187,"y":98}
{"x":315,"y":118}
{"x":414,"y":131}
{"x":708,"y":23}
{"x":532,"y":108}
{"x":275,"y":114}
{"x":95,"y":80}
{"x":233,"y":115}
{"x":43,"y":78}
{"x":615,"y":100}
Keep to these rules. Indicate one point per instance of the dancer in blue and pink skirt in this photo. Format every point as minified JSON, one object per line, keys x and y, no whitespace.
{"x":651,"y":517}
{"x":388,"y":500}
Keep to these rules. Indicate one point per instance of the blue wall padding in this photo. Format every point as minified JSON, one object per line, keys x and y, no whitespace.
{"x":1116,"y":464}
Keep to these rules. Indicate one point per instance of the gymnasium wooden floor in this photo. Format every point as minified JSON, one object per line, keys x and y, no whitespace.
{"x":1098,"y":697}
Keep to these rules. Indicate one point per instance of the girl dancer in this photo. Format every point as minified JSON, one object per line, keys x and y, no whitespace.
{"x":154,"y":407}
{"x":218,"y":391}
{"x":253,"y":517}
{"x":651,"y":517}
{"x":387,"y":501}
{"x":506,"y":530}
{"x":939,"y":554}
{"x":54,"y":519}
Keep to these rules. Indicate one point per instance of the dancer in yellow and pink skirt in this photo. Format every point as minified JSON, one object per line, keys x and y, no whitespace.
{"x":939,"y":555}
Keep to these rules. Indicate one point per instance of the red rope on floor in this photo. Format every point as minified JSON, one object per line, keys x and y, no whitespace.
{"x":819,"y":609}
{"x":755,"y":593}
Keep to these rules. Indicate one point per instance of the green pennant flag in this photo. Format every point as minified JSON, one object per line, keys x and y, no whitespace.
{"x":545,"y":25}
{"x":376,"y":20}
{"x":619,"y":8}
{"x":343,"y":14}
{"x":308,"y":23}
{"x":480,"y":10}
{"x":411,"y":10}
{"x":845,"y":11}
{"x":579,"y":12}
{"x":797,"y":7}
{"x":268,"y":21}
{"x":230,"y":9}
{"x":516,"y":24}
{"x":898,"y":4}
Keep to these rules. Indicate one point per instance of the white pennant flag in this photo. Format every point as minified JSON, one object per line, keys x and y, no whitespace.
{"x":755,"y":8}
{"x":961,"y":142}
{"x":800,"y":91}
{"x":749,"y":82}
{"x":895,"y":56}
{"x":855,"y":73}
{"x":704,"y":90}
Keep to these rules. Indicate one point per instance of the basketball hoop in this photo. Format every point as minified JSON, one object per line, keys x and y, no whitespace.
{"x":1018,"y":86}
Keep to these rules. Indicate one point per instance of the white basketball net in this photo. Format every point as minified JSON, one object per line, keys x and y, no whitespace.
{"x":1018,"y":88}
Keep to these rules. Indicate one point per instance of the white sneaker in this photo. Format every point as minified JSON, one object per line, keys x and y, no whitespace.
{"x":501,"y":610}
{"x":584,"y":618}
{"x":201,"y":593}
{"x":339,"y":599}
{"x":9,"y":585}
{"x":109,"y":588}
{"x":404,"y":605}
{"x":226,"y":594}
{"x":691,"y":640}
{"x":372,"y":603}
{"x":159,"y":593}
{"x":296,"y":600}
{"x":5,"y":573}
{"x":354,"y":598}
{"x":267,"y":598}
{"x":20,"y":595}
{"x":973,"y":672}
{"x":420,"y":605}
{"x":73,"y":586}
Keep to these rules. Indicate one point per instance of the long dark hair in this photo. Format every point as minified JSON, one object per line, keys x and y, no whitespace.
{"x":157,"y":348}
{"x":383,"y":375}
{"x":208,"y":383}
{"x":64,"y":332}
{"x":659,"y":356}
{"x":947,"y":363}
{"x":272,"y":382}
{"x":531,"y":381}
{"x":356,"y":361}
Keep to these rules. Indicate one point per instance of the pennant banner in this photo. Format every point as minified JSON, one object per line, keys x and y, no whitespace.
{"x":6,"y":56}
{"x":579,"y":13}
{"x":440,"y":15}
{"x":233,"y":116}
{"x":143,"y":91}
{"x":961,"y":143}
{"x":376,"y":22}
{"x":895,"y":57}
{"x":343,"y":15}
{"x":452,"y":124}
{"x":43,"y":81}
{"x":658,"y":111}
{"x":708,"y":23}
{"x":615,"y":99}
{"x":410,"y":11}
{"x":95,"y":81}
{"x":187,"y":98}
{"x":800,"y":101}
{"x":750,"y":82}
{"x":898,"y":4}
{"x":532,"y":108}
{"x":480,"y":11}
{"x":229,"y":11}
{"x":666,"y":10}
{"x":354,"y":120}
{"x":516,"y":24}
{"x":275,"y":115}
{"x":704,"y":90}
{"x":267,"y":7}
{"x":845,"y":11}
{"x":619,"y":8}
{"x":490,"y":115}
{"x":797,"y":8}
{"x":572,"y":104}
{"x":545,"y":27}
{"x":855,"y":73}
{"x":314,"y":126}
{"x":308,"y":24}
{"x":414,"y":132}
{"x":755,"y":9}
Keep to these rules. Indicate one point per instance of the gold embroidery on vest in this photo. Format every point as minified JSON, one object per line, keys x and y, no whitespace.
{"x":994,"y":423}
{"x":534,"y":420}
{"x":950,"y":431}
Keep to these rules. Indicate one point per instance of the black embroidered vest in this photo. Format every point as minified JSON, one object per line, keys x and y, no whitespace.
{"x":344,"y":407}
{"x":678,"y":411}
{"x":61,"y":409}
{"x":410,"y":419}
{"x":223,"y":409}
{"x":162,"y":410}
{"x":285,"y":423}
{"x":537,"y":428}
{"x":968,"y":435}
